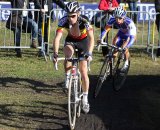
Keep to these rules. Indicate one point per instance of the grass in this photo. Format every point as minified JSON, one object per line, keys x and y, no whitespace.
{"x":30,"y":94}
{"x":30,"y":97}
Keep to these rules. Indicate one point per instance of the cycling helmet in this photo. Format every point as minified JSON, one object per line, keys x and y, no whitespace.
{"x":120,"y":12}
{"x":73,"y":7}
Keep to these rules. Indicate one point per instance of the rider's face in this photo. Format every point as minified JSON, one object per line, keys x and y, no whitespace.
{"x":72,"y":17}
{"x":119,"y":20}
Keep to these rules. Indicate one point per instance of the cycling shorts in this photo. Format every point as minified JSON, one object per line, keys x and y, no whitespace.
{"x":122,"y":38}
{"x":81,"y":45}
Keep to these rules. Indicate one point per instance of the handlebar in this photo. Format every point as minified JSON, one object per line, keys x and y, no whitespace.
{"x":56,"y":63}
{"x":110,"y":45}
{"x":69,"y":59}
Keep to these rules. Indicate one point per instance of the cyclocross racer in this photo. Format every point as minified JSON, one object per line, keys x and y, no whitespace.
{"x":126,"y":35}
{"x":80,"y":36}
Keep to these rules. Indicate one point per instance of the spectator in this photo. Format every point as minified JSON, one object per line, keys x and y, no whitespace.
{"x":45,"y":7}
{"x":133,"y":7}
{"x":157,"y":7}
{"x":22,"y":21}
{"x":118,"y":1}
{"x":109,"y":6}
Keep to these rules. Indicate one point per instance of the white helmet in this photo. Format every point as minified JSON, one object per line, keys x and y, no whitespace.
{"x":73,"y":7}
{"x":120,"y":12}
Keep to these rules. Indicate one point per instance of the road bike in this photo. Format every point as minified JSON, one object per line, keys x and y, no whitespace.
{"x":112,"y":68}
{"x":74,"y":90}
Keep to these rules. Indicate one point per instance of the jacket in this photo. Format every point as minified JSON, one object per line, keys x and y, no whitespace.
{"x":130,"y":0}
{"x":15,"y":18}
{"x":157,"y":5}
{"x":104,"y":4}
{"x":39,"y":4}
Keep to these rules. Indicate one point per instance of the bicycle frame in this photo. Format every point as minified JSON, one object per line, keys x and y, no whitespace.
{"x":74,"y":91}
{"x":108,"y":69}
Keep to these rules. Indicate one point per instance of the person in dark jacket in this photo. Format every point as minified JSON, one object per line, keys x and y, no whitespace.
{"x":19,"y":22}
{"x":45,"y":7}
{"x":157,"y":7}
{"x":133,"y":7}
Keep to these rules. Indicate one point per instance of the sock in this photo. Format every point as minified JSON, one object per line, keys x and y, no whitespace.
{"x":85,"y":97}
{"x":67,"y":74}
{"x":126,"y":63}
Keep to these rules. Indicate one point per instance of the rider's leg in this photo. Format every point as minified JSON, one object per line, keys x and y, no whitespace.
{"x":127,"y":54}
{"x":68,"y":52}
{"x":127,"y":44}
{"x":85,"y":85}
{"x":85,"y":79}
{"x":117,"y":42}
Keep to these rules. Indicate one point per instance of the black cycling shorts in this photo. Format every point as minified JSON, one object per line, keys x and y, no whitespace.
{"x":81,"y":45}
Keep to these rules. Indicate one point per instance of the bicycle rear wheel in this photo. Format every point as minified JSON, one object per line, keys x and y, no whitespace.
{"x":104,"y":73}
{"x":72,"y":106}
{"x":119,"y":77}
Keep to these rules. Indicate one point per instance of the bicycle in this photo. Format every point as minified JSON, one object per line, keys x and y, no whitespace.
{"x":111,"y":69}
{"x":74,"y":90}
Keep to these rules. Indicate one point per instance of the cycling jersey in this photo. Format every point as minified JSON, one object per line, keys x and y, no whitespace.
{"x":126,"y":29}
{"x":84,"y":26}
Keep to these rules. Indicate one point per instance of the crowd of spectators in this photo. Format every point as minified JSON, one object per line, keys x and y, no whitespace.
{"x":19,"y":21}
{"x":34,"y":26}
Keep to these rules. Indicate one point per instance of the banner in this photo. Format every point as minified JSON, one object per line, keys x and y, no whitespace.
{"x":89,"y":10}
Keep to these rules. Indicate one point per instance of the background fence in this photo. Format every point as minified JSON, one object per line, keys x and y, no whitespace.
{"x":146,"y":31}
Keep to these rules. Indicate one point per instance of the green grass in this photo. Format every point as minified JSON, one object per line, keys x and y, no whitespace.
{"x":29,"y":93}
{"x":30,"y":97}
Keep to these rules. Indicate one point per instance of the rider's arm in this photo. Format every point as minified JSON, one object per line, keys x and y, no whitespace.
{"x":131,"y":39}
{"x":104,"y":32}
{"x":91,"y":39}
{"x":60,"y":3}
{"x":132,"y":35}
{"x":56,"y":41}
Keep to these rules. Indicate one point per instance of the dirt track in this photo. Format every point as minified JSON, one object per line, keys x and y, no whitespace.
{"x":135,"y":107}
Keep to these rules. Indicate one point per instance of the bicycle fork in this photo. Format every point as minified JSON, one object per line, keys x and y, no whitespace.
{"x":75,"y":74}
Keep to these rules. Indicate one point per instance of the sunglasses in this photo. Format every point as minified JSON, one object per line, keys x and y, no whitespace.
{"x":72,"y":16}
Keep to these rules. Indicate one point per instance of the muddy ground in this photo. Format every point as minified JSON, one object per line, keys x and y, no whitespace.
{"x":135,"y":107}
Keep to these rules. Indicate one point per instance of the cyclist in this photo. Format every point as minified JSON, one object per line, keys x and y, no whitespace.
{"x":126,"y":35}
{"x":80,"y":36}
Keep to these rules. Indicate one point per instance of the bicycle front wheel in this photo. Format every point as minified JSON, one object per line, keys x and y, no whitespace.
{"x":119,"y":76}
{"x":104,"y":73}
{"x":72,"y":106}
{"x":79,"y":93}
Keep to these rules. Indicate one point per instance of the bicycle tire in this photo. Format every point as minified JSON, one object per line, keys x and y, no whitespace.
{"x":79,"y":91}
{"x":104,"y":73}
{"x":119,"y":77}
{"x":72,"y":106}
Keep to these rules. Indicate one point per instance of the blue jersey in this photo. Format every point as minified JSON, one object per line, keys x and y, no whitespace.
{"x":127,"y":27}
